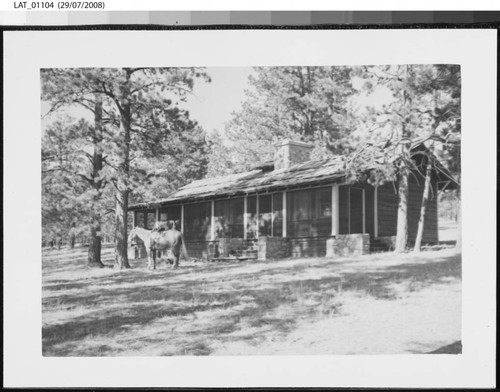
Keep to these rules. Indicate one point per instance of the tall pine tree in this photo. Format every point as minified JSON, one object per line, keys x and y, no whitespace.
{"x":143,"y":119}
{"x":310,"y":104}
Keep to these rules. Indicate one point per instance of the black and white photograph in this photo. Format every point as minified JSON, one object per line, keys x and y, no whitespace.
{"x":298,"y":204}
{"x":254,"y":215}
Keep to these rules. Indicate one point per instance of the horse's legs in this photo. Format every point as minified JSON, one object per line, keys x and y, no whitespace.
{"x":176,"y":260}
{"x":150,"y":258}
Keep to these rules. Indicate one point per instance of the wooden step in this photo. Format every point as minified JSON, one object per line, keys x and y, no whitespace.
{"x":235,"y":258}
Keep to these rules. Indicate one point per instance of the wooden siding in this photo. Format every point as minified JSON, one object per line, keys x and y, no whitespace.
{"x":343,"y":210}
{"x":387,"y":209}
{"x":369,"y":210}
{"x":356,"y":211}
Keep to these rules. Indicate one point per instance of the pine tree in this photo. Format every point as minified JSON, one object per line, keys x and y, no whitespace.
{"x":301,"y":103}
{"x":143,"y":120}
{"x":410,"y":118}
{"x":441,"y":85}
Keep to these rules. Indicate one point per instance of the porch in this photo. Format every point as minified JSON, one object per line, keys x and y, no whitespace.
{"x":285,"y":223}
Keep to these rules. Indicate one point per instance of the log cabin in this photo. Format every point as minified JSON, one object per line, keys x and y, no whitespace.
{"x":292,"y":207}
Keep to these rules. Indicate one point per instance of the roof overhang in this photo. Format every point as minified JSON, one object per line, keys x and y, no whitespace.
{"x":233,"y":194}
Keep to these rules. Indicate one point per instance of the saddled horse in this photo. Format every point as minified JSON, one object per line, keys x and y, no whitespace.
{"x":154,"y":240}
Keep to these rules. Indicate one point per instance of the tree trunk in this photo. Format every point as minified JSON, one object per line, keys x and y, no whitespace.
{"x":403,"y":189}
{"x":404,"y":169}
{"x":94,"y":255}
{"x":423,"y":207}
{"x":458,"y":245}
{"x":122,"y":191}
{"x":94,"y":259}
{"x":121,"y":255}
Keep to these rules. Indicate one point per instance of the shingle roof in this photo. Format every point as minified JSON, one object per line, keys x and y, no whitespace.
{"x":264,"y":179}
{"x":258,"y":180}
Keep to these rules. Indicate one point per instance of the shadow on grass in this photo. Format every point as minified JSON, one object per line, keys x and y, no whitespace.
{"x":234,"y":303}
{"x":454,"y":348}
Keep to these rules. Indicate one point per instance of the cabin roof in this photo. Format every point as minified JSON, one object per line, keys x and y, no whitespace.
{"x":264,"y":179}
{"x":258,"y":180}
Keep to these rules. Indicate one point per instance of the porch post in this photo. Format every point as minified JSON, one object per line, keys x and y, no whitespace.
{"x":335,"y":209}
{"x":133,"y":219}
{"x":245,"y":217}
{"x":272,"y":215}
{"x":158,"y":214}
{"x":258,"y":215}
{"x":284,"y":214}
{"x":364,"y":210}
{"x":212,"y":221}
{"x":375,"y":212}
{"x":182,"y":219}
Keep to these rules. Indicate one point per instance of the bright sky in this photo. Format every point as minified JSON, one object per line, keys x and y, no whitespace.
{"x":212,"y":103}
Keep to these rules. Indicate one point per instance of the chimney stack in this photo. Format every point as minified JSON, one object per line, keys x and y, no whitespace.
{"x":289,"y":153}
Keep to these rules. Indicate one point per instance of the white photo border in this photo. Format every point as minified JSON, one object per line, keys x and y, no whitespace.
{"x":26,"y":52}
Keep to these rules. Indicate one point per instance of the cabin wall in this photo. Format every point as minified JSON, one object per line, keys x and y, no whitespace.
{"x":369,"y":210}
{"x":344,"y":209}
{"x":387,"y":209}
{"x":388,"y":201}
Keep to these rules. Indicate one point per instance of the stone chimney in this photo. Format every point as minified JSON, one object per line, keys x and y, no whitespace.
{"x":289,"y":153}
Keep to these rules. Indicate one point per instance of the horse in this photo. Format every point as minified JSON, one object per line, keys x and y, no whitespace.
{"x":170,"y":240}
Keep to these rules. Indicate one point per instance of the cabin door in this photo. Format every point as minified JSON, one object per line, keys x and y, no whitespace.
{"x":355,"y":210}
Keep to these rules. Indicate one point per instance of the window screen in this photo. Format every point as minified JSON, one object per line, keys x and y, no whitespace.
{"x":309,"y":212}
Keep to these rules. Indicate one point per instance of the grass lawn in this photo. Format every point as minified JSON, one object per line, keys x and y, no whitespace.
{"x":375,"y":304}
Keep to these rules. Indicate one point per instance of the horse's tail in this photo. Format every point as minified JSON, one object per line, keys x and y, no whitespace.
{"x":184,"y":250}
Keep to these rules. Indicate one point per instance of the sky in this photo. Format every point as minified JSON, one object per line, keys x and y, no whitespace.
{"x":212,"y":103}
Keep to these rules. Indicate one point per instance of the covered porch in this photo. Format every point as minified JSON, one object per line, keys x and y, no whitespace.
{"x":272,"y":224}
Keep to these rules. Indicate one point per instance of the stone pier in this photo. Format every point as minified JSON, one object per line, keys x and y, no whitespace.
{"x":348,"y":245}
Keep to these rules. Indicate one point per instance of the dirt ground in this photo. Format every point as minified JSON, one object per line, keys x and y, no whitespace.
{"x":374,"y":304}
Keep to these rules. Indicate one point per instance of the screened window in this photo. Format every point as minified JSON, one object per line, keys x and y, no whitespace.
{"x":145,"y":219}
{"x":278,"y":214}
{"x":265,"y":215}
{"x":171,"y":213}
{"x":309,"y":213}
{"x":150,"y":219}
{"x":252,"y":217}
{"x":229,"y":218}
{"x":139,"y":219}
{"x":197,"y":219}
